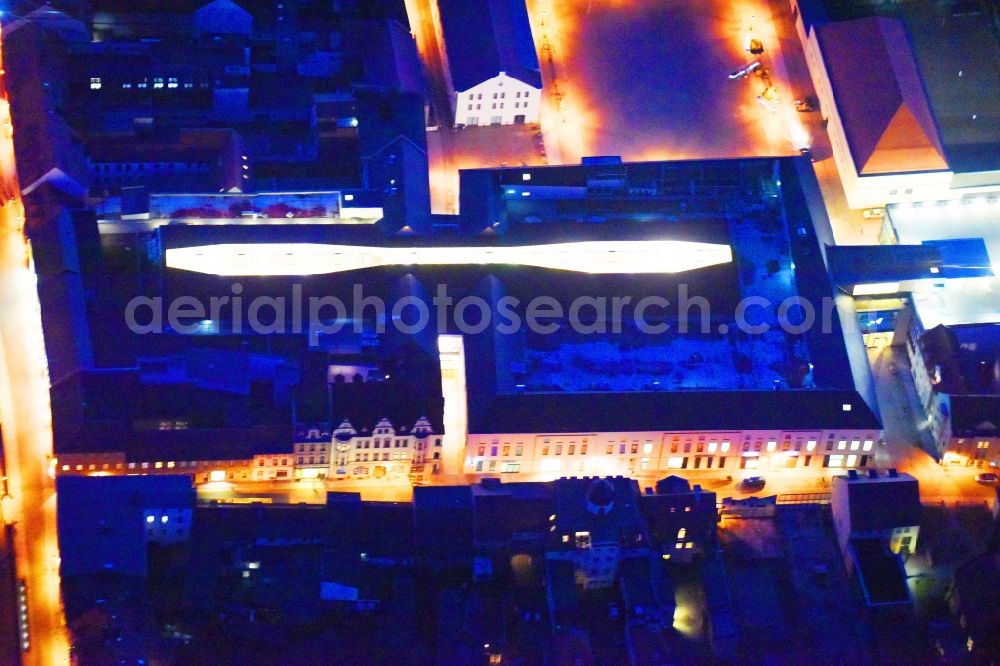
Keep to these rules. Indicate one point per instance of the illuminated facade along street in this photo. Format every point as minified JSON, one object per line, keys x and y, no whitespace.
{"x":499,"y":332}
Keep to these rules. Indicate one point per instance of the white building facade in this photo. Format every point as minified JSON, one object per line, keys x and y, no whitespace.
{"x":631,"y":453}
{"x":385,"y":452}
{"x":501,"y":100}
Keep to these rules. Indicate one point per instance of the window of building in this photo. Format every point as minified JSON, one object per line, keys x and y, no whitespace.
{"x":867,"y":446}
{"x":621,"y":449}
{"x":545,"y":450}
{"x":493,"y":451}
{"x":157,"y":82}
{"x":506,"y":450}
{"x":481,"y":451}
{"x":519,"y":450}
{"x":95,"y":83}
{"x":811,"y":445}
{"x":676,"y":462}
{"x":724,"y":447}
{"x":841,"y":445}
{"x":510,"y":467}
{"x":771,"y":445}
{"x":572,"y":449}
{"x":855,"y":444}
{"x":635,"y":447}
{"x":558,"y":449}
{"x":835,"y":460}
{"x":172,"y":82}
{"x":647,"y":448}
{"x":583,"y":449}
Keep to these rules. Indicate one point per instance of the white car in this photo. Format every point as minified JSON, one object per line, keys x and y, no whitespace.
{"x":743,"y":71}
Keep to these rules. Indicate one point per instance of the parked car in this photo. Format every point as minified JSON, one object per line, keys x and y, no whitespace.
{"x":752,"y":484}
{"x":873,"y":213}
{"x":804,"y":105}
{"x":988,"y":478}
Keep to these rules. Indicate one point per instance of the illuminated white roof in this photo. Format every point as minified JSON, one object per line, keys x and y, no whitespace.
{"x":647,"y":256}
{"x":956,"y":301}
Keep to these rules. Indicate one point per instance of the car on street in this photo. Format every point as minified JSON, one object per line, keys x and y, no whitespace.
{"x":752,"y":484}
{"x":743,"y":71}
{"x":988,"y":478}
{"x":804,"y":105}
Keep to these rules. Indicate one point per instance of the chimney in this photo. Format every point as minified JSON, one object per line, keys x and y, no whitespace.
{"x":893,"y":474}
{"x":852,"y":475}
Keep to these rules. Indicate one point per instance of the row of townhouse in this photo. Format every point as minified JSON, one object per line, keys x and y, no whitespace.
{"x":317,"y":452}
{"x":636,"y":433}
{"x":384,"y":451}
{"x":629,"y":453}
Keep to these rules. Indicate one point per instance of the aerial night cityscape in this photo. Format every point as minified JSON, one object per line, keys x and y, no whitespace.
{"x":499,"y":332}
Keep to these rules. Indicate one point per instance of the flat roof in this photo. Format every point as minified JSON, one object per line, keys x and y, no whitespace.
{"x":883,"y":579}
{"x":962,"y":301}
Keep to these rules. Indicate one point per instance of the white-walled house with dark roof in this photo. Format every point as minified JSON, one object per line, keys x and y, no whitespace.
{"x":490,"y":64}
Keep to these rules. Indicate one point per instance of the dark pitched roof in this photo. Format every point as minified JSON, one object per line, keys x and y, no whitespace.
{"x":966,"y":357}
{"x":365,"y":404}
{"x":975,"y":415}
{"x":940,"y":350}
{"x":388,"y":55}
{"x":880,"y":96}
{"x":620,"y":523}
{"x":673,"y":410}
{"x":485,"y":37}
{"x":665,"y":515}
